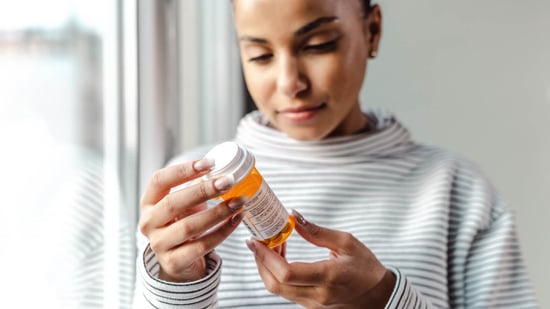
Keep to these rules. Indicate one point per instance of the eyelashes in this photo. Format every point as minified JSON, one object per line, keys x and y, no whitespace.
{"x":324,"y":47}
{"x":261,"y":58}
{"x":327,"y":46}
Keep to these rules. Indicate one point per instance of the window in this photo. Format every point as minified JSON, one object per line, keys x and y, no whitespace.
{"x":68,"y":128}
{"x":81,"y":133}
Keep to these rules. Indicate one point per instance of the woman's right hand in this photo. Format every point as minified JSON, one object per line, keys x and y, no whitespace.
{"x":180,"y":228}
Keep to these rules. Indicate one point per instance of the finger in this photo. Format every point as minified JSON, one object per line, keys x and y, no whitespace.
{"x":166,"y":178}
{"x":281,"y":249}
{"x":294,"y":292}
{"x":296,"y":273}
{"x":338,"y":242}
{"x":176,"y":204}
{"x":192,"y":227}
{"x":148,"y":222}
{"x":192,"y":250}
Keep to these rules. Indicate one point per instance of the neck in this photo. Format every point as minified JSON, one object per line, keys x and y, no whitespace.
{"x":360,"y":123}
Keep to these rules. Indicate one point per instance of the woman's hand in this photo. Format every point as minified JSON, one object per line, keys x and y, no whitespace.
{"x":180,"y":228}
{"x":352,"y":277}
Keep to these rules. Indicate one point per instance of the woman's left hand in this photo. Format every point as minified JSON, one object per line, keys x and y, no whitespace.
{"x":351,"y":277}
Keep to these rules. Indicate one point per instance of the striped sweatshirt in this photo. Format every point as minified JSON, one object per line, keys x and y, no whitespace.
{"x":429,"y":215}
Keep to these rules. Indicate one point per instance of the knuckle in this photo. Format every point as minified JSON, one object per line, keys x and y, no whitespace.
{"x":144,"y":224}
{"x":168,"y":204}
{"x":285,"y":276}
{"x":183,"y":171}
{"x":324,"y":298}
{"x":203,"y":191}
{"x":155,"y":246}
{"x":315,"y":230}
{"x":202,"y":248}
{"x":348,"y":240}
{"x":156,"y":179}
{"x":187,"y":230}
{"x":273,"y":287}
{"x":144,"y":227}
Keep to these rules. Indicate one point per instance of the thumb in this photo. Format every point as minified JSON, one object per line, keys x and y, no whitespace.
{"x":318,"y":235}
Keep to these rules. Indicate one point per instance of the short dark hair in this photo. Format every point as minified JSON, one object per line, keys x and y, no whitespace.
{"x":366,"y":6}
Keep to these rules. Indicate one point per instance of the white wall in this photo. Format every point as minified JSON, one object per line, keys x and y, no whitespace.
{"x":474,"y":76}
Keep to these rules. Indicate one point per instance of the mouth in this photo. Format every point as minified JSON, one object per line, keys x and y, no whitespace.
{"x":302,"y":113}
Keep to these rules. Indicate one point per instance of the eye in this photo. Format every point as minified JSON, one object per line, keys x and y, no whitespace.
{"x":261,"y":58}
{"x":322,"y":47}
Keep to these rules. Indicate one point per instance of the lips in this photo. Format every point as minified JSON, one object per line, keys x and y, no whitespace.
{"x":302,"y":113}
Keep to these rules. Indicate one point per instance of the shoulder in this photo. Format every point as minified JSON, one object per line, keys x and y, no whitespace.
{"x":471,"y":191}
{"x":457,"y":163}
{"x":464,"y":176}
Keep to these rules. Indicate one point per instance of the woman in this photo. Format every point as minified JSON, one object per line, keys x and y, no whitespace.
{"x":396,"y":224}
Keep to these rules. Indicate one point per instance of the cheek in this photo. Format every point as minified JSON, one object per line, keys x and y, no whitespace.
{"x":353,"y":69}
{"x":340,"y":76}
{"x":258,"y":85}
{"x":323,"y":73}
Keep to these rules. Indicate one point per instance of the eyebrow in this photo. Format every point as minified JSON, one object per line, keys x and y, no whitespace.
{"x":314,"y":24}
{"x":301,"y":31}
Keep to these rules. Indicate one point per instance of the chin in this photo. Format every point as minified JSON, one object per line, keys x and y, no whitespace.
{"x":305,"y":135}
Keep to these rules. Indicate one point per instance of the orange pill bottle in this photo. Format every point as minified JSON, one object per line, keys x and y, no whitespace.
{"x":264,"y":215}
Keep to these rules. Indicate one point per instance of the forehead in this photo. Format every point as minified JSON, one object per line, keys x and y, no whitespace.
{"x":265,"y":17}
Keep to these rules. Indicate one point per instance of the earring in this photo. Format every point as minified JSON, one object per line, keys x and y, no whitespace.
{"x":373,"y":54}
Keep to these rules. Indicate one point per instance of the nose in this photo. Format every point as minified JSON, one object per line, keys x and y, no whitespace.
{"x":290,"y":80}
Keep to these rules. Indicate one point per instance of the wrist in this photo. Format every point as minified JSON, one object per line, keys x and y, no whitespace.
{"x":196,"y":272}
{"x":380,"y":294}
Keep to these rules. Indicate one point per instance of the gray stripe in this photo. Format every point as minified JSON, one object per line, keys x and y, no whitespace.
{"x":428,"y":213}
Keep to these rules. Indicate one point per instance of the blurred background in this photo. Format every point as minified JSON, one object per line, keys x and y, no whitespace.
{"x":96,"y":95}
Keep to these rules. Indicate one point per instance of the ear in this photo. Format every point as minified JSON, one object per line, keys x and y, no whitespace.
{"x":372,"y":25}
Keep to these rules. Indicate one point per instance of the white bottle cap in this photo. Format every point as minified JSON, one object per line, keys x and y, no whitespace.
{"x":230,"y":158}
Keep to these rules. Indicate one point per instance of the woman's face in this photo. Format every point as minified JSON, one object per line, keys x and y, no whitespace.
{"x":304,"y":62}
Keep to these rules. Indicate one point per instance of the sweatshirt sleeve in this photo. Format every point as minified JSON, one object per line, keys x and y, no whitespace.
{"x":490,"y":273}
{"x":404,"y":295}
{"x":485,"y":266}
{"x":495,"y":275}
{"x":152,"y":292}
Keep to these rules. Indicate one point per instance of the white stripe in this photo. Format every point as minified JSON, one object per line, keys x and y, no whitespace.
{"x":430,"y":215}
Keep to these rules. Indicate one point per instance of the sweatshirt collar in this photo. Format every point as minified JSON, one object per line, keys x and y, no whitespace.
{"x":388,"y":138}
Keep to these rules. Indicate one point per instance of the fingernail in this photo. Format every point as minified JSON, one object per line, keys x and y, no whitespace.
{"x":224,"y":183}
{"x":251,"y":245}
{"x":299,"y":218}
{"x":236,"y":203}
{"x":203,"y":164}
{"x":236,"y":219}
